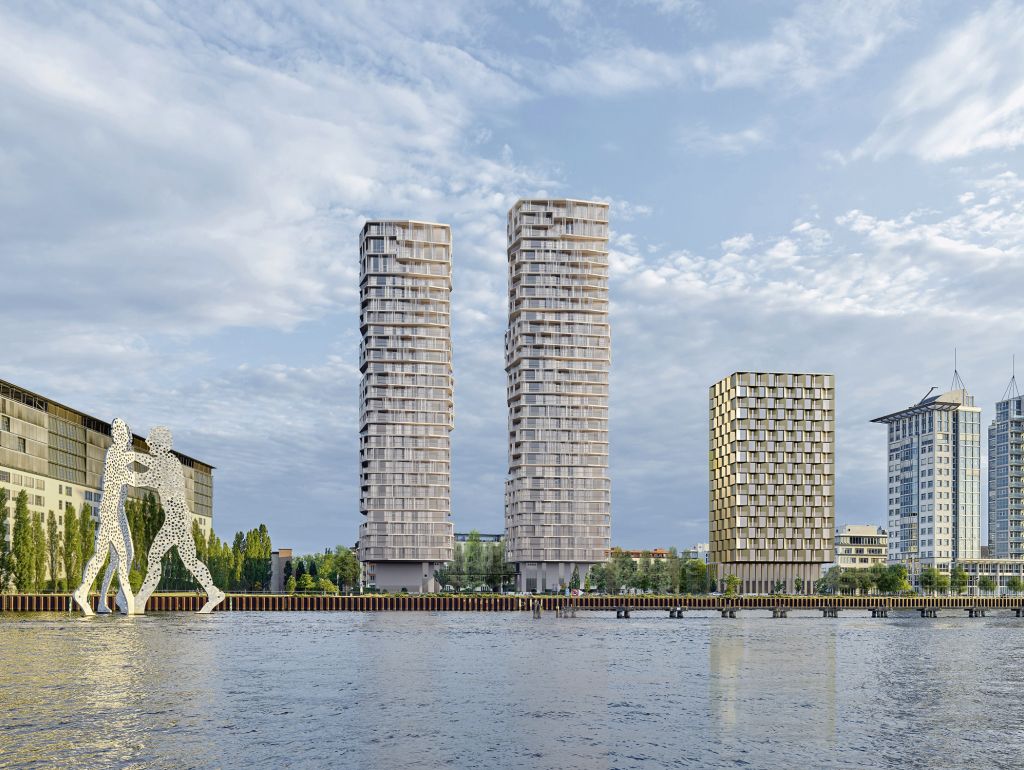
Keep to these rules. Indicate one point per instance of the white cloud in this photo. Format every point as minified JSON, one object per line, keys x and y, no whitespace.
{"x":817,"y":44}
{"x":702,"y":140}
{"x":924,"y":263}
{"x":814,"y":46}
{"x":738,"y":244}
{"x":964,"y":97}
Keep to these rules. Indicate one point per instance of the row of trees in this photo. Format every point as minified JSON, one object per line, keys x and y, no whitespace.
{"x":878,"y":578}
{"x":42,"y":557}
{"x":893,"y":579}
{"x":329,"y":572}
{"x":476,"y":566}
{"x":676,"y":574}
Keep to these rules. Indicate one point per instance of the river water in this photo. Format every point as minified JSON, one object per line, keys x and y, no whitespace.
{"x":467,"y":690}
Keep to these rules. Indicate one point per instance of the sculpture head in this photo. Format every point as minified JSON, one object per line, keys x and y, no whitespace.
{"x":159,"y":439}
{"x":119,"y":432}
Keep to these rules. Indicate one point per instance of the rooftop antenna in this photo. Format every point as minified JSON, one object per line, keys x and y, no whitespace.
{"x":1011,"y":389}
{"x":958,"y":383}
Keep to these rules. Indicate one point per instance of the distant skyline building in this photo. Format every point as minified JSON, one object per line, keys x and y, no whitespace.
{"x":557,"y":360}
{"x":1006,"y":477}
{"x":934,"y":481}
{"x":861,"y":546}
{"x":772,"y":478}
{"x":406,"y":403}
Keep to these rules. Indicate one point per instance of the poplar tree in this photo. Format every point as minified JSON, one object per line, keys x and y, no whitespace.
{"x":237,"y":559}
{"x":23,"y":545}
{"x":574,"y":581}
{"x":86,"y":535}
{"x":52,"y":549}
{"x":474,"y":560}
{"x":71,"y":552}
{"x":6,"y":556}
{"x":457,"y":576}
{"x":38,"y":553}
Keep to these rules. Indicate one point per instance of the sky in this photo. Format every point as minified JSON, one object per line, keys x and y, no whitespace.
{"x":828,"y":187}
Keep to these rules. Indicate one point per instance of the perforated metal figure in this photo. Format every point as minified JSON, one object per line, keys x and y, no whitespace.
{"x":166,"y":476}
{"x":113,"y":537}
{"x":121,"y":600}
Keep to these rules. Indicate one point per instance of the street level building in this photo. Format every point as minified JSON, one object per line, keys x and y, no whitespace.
{"x":772,"y":478}
{"x":1001,"y":571}
{"x":55,"y":454}
{"x":636,"y":554}
{"x":1006,"y":477}
{"x":463,"y":537}
{"x":934,"y":481}
{"x":280,"y":566}
{"x":406,"y":409}
{"x":557,"y":360}
{"x":860,"y":546}
{"x":701,"y":551}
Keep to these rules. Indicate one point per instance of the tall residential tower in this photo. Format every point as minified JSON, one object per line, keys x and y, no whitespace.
{"x":935,"y":481}
{"x":557,"y":358}
{"x":772,"y":478}
{"x":406,"y":410}
{"x":1006,"y":477}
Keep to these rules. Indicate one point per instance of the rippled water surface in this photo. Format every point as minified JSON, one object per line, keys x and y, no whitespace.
{"x":420,"y":690}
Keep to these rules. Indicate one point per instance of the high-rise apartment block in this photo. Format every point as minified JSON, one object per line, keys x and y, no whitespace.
{"x":934,"y":481}
{"x":1006,"y":477}
{"x":406,"y":409}
{"x":557,"y":358}
{"x":772,"y":478}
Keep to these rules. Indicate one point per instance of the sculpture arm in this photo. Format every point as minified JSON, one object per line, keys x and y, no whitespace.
{"x":144,"y":479}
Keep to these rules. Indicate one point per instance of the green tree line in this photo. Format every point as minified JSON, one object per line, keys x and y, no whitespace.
{"x":476,"y":566}
{"x":43,"y":556}
{"x":329,"y":572}
{"x":674,"y":574}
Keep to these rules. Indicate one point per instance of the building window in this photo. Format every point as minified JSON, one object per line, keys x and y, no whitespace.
{"x":21,"y":444}
{"x":5,"y":423}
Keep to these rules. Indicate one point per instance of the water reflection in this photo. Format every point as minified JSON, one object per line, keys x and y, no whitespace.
{"x":412,"y":690}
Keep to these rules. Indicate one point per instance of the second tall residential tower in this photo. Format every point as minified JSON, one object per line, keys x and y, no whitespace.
{"x":557,"y":359}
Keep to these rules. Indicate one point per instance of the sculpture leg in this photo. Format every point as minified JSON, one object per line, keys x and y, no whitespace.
{"x":92,"y":569}
{"x":108,"y":576}
{"x":125,"y":598}
{"x":161,"y":545}
{"x":187,"y":552}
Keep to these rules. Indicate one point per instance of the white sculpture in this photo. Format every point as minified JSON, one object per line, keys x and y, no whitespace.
{"x":108,"y":576}
{"x":112,"y":535}
{"x":165,"y":475}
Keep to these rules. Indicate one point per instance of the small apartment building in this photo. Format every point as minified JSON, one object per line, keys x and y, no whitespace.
{"x":860,"y":546}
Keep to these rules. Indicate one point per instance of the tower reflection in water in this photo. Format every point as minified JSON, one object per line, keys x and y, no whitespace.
{"x":756,"y":665}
